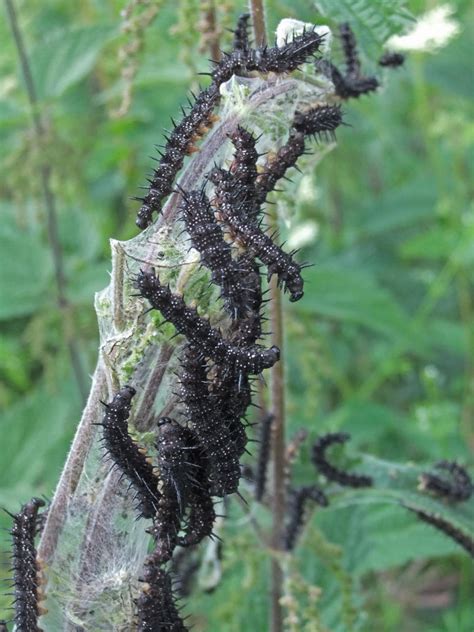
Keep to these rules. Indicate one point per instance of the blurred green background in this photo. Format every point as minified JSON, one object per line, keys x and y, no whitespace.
{"x":383,"y":342}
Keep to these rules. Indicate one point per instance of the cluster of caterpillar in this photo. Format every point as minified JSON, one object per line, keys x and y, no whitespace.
{"x":198,"y":457}
{"x":200,"y":118}
{"x":27,"y":568}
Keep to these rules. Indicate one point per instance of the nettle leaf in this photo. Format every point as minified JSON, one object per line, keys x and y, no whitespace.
{"x":373,"y":22}
{"x":67,"y":57}
{"x":353,"y":296}
{"x":25,"y":273}
{"x":36,"y":432}
{"x":397,"y":484}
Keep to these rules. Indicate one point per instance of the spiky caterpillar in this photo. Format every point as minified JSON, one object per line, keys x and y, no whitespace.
{"x":178,"y":457}
{"x":243,"y":173}
{"x":264,"y":437}
{"x":438,"y":522}
{"x":458,"y":489}
{"x":156,"y":605}
{"x":179,"y":144}
{"x":201,"y":517}
{"x":391,"y":59}
{"x":278,"y":59}
{"x":126,"y":454}
{"x":349,"y":48}
{"x":241,"y":34}
{"x":331,"y":472}
{"x":286,"y":58}
{"x":257,"y":242}
{"x":204,"y":415}
{"x":298,"y":499}
{"x":207,"y":237}
{"x":252,"y":359}
{"x":348,"y":87}
{"x":26,"y":568}
{"x":244,"y":164}
{"x":317,"y":121}
{"x":166,"y":523}
{"x":351,"y":83}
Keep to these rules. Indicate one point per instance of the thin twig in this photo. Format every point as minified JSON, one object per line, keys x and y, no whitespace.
{"x":39,"y":127}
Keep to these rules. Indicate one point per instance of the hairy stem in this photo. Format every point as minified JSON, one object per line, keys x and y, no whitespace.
{"x":278,"y":454}
{"x":39,"y":127}
{"x":277,"y":398}
{"x":213,"y":34}
{"x":257,"y":11}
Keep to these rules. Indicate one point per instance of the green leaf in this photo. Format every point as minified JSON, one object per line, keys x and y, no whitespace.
{"x":436,"y":243}
{"x":67,"y":57}
{"x":84,"y":283}
{"x":353,"y":296}
{"x":398,"y":208}
{"x":25,"y":272}
{"x":373,"y":22}
{"x":396,"y":483}
{"x":36,"y":432}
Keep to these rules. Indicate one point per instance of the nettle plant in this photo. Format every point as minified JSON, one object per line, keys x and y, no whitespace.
{"x":183,"y":350}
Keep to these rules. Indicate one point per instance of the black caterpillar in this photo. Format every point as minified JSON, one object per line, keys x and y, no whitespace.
{"x":241,"y":34}
{"x":436,"y":521}
{"x":458,"y":489}
{"x":203,"y":414}
{"x":298,"y":499}
{"x":27,"y":575}
{"x":255,"y":240}
{"x":331,"y":472}
{"x":126,"y":454}
{"x":207,"y":237}
{"x":252,"y":359}
{"x":321,"y":120}
{"x":157,"y":609}
{"x":178,"y":458}
{"x":349,"y":47}
{"x":166,"y":524}
{"x":352,"y":83}
{"x":392,"y":59}
{"x":201,"y":517}
{"x":179,"y":144}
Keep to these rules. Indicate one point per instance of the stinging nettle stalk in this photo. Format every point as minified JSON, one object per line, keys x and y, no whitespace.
{"x":183,"y":345}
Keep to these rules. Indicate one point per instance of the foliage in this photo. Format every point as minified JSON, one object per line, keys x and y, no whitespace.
{"x":382,"y":346}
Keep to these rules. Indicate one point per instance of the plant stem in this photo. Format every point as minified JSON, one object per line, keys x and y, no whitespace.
{"x":277,"y":398}
{"x":39,"y":127}
{"x":257,"y":11}
{"x":278,"y":456}
{"x":213,"y":34}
